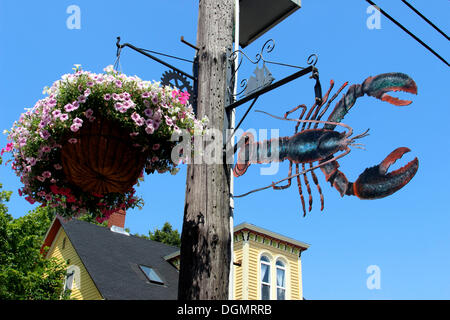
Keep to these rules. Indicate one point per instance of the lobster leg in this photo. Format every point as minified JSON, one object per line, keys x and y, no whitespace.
{"x":374,"y":182}
{"x":316,"y":182}
{"x":290,"y":162}
{"x":329,"y":102}
{"x":308,"y":188}
{"x":299,"y":183}
{"x":289,"y":180}
{"x":324,"y":100}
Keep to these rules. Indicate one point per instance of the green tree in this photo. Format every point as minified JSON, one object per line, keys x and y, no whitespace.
{"x":24,"y":273}
{"x":166,"y":235}
{"x":91,"y":219}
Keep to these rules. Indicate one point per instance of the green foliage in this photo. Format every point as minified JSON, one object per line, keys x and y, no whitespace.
{"x":89,"y":218}
{"x":165,"y":235}
{"x":24,"y":273}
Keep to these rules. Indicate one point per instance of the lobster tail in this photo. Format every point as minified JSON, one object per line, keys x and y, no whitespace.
{"x":240,"y":168}
{"x":243,"y":159}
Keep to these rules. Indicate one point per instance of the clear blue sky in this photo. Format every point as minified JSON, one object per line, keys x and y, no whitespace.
{"x":406,"y":235}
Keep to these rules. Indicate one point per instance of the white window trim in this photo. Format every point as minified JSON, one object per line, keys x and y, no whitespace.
{"x":273,"y":275}
{"x":260,"y":283}
{"x":75,"y":279}
{"x":286,"y":282}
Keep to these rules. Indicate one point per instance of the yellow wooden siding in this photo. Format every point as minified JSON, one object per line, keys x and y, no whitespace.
{"x":85,"y":289}
{"x":238,"y":254}
{"x":253,"y":266}
{"x":255,"y":250}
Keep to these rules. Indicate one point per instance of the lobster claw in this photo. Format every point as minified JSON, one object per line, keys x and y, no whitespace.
{"x":381,"y":84}
{"x":376,"y":183}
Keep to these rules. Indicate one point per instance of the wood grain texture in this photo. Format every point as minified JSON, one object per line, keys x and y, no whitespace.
{"x":206,"y":239}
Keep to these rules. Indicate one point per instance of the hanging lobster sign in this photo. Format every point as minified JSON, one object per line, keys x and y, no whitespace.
{"x":324,"y":146}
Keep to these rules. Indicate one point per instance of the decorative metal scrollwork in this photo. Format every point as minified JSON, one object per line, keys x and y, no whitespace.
{"x":262,"y":76}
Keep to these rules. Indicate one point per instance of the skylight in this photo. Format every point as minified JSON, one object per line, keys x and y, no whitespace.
{"x":151,"y":274}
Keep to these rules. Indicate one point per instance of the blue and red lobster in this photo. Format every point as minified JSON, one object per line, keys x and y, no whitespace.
{"x":320,"y":145}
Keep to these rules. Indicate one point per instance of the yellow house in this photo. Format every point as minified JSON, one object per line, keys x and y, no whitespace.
{"x":108,"y":263}
{"x":267,"y":265}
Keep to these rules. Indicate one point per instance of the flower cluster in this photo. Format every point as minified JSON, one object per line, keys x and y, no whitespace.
{"x":151,"y":113}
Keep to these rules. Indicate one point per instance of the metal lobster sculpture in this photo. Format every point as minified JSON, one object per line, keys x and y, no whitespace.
{"x":320,"y":145}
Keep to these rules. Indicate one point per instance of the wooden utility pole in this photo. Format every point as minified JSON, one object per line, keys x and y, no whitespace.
{"x":206,"y":238}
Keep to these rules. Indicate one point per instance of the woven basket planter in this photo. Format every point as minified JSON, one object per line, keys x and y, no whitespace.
{"x":103,"y":160}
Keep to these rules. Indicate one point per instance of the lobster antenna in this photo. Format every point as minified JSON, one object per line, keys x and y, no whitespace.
{"x":362,"y":135}
{"x":358,"y":146}
{"x":348,"y":134}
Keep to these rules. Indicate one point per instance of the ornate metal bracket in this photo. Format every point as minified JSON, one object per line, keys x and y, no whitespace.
{"x":262,"y":81}
{"x":174,"y":77}
{"x":262,"y":76}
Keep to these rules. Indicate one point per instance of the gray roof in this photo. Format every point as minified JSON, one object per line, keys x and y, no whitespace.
{"x":112,"y":261}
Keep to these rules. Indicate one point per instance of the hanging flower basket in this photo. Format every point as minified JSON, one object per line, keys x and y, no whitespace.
{"x":103,"y":160}
{"x":82,"y":148}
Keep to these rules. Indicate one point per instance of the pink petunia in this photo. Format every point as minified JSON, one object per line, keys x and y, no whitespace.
{"x":184,"y":97}
{"x":156,"y":146}
{"x":169,"y":121}
{"x":107,"y":97}
{"x":148,"y":112}
{"x":63,"y":117}
{"x":46,"y":149}
{"x":73,"y":140}
{"x":46,"y":174}
{"x":30,"y":200}
{"x":74,"y":128}
{"x":140,"y":122}
{"x":78,"y":121}
{"x":57,"y":166}
{"x":137,"y":119}
{"x":44,"y":134}
{"x":81,"y":99}
{"x":56,"y":113}
{"x":88,"y":113}
{"x":69,"y":107}
{"x":8,"y":148}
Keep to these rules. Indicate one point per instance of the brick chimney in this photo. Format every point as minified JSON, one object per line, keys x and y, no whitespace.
{"x":117,"y":219}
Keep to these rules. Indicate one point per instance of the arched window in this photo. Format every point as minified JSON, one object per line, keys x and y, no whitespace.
{"x":69,"y":280}
{"x":281,"y":280}
{"x":265,"y":278}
